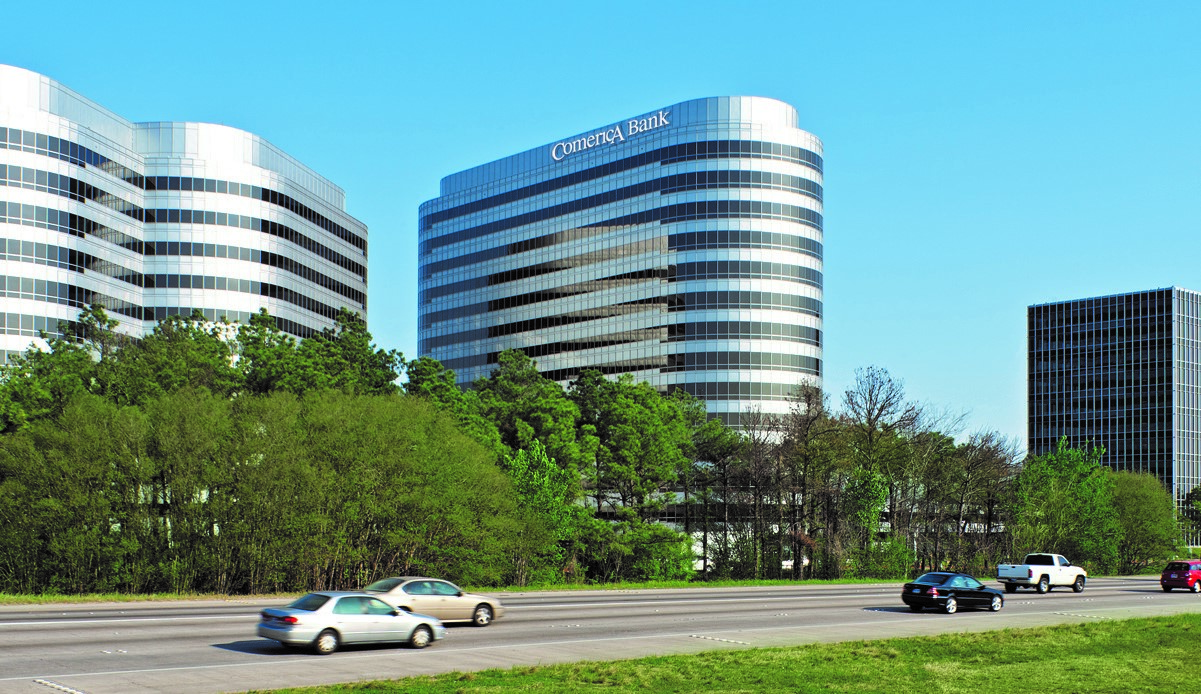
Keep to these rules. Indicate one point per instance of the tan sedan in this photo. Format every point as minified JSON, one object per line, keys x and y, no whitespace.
{"x":437,"y":598}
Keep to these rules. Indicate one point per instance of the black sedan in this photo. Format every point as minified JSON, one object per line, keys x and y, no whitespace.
{"x":948,"y":592}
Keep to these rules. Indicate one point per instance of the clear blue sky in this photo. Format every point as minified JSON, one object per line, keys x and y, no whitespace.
{"x":979,"y":157}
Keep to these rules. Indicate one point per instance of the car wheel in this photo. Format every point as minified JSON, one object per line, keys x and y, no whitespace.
{"x":482,"y":616}
{"x":951,"y":607}
{"x":1196,"y":587}
{"x":915,"y":608}
{"x":421,"y":637}
{"x":997,"y":603}
{"x":1044,"y":585}
{"x":1011,"y":588}
{"x":1078,"y":585}
{"x":326,"y":642}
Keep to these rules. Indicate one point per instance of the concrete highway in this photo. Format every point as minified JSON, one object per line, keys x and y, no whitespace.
{"x":210,"y":646}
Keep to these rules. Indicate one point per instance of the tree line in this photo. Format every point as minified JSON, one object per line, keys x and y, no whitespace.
{"x":211,"y":457}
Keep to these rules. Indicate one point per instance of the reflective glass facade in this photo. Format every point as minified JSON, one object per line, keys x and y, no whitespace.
{"x":682,"y":246}
{"x":156,"y":219}
{"x":1123,"y":372}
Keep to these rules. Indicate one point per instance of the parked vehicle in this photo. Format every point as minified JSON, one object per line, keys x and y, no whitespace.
{"x":948,"y":592}
{"x":1185,"y":573}
{"x":324,"y":621}
{"x":1042,"y":572}
{"x":436,"y":597}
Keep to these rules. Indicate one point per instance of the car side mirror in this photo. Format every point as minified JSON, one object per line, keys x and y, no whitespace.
{"x":395,"y":613}
{"x":459,"y":594}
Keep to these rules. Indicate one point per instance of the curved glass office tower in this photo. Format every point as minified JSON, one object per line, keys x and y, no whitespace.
{"x":682,"y":246}
{"x":156,"y":219}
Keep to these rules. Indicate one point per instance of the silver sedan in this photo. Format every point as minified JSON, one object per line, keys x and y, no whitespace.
{"x":326,"y":620}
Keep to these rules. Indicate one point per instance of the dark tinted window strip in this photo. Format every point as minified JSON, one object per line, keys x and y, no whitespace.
{"x":74,"y":189}
{"x":736,"y":390}
{"x":610,"y":340}
{"x":245,"y":190}
{"x":63,"y":186}
{"x":172,"y":216}
{"x":743,"y":269}
{"x":32,"y":326}
{"x":570,"y":263}
{"x":544,"y":241}
{"x":75,"y":225}
{"x":694,"y":301}
{"x":705,"y":180}
{"x":676,"y":332}
{"x":627,"y":308}
{"x":742,"y":238}
{"x":66,"y":259}
{"x":687,"y":301}
{"x":624,"y":280}
{"x":254,"y":255}
{"x":66,"y":294}
{"x":688,"y":241}
{"x":231,"y":284}
{"x":701,"y":361}
{"x":755,"y":361}
{"x":682,"y":152}
{"x":742,"y":330}
{"x":71,"y":295}
{"x":64,"y":150}
{"x":664,"y":214}
{"x":671,"y":333}
{"x":67,"y":223}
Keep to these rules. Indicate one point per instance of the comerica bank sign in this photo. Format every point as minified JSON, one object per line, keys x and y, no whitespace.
{"x":560,"y":150}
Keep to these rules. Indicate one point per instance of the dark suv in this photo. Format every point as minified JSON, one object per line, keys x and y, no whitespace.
{"x":1185,"y":573}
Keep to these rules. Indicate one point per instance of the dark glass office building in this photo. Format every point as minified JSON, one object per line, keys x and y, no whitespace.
{"x":1123,"y":372}
{"x":682,"y":246}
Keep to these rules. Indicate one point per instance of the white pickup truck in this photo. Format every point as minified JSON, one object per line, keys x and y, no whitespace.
{"x":1042,"y":572}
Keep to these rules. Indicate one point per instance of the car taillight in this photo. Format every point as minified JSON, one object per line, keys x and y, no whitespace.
{"x":1029,"y":573}
{"x":933,"y":592}
{"x":289,"y":620}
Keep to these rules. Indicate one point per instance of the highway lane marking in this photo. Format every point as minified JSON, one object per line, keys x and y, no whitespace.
{"x":561,"y":606}
{"x":290,"y":661}
{"x":117,"y":620}
{"x":59,"y":687}
{"x":714,"y":638}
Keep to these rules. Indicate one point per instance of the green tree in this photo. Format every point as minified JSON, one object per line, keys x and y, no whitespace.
{"x":1063,"y":503}
{"x":527,"y":407}
{"x":342,"y":357}
{"x":1150,"y":531}
{"x":38,"y":383}
{"x":429,"y":379}
{"x":549,"y":548}
{"x":180,"y":352}
{"x":641,"y":441}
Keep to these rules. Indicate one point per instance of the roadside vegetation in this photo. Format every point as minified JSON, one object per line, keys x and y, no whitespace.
{"x":216,"y":459}
{"x":1137,"y":655}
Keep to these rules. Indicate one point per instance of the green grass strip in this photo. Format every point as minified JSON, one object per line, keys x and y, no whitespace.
{"x":1137,"y":655}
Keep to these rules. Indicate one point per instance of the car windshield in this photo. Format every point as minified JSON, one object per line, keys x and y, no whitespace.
{"x":932,"y":579}
{"x":384,"y":584}
{"x":1177,"y":566}
{"x":310,"y":602}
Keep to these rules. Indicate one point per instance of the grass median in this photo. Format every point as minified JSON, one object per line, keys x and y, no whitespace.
{"x":1136,"y":655}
